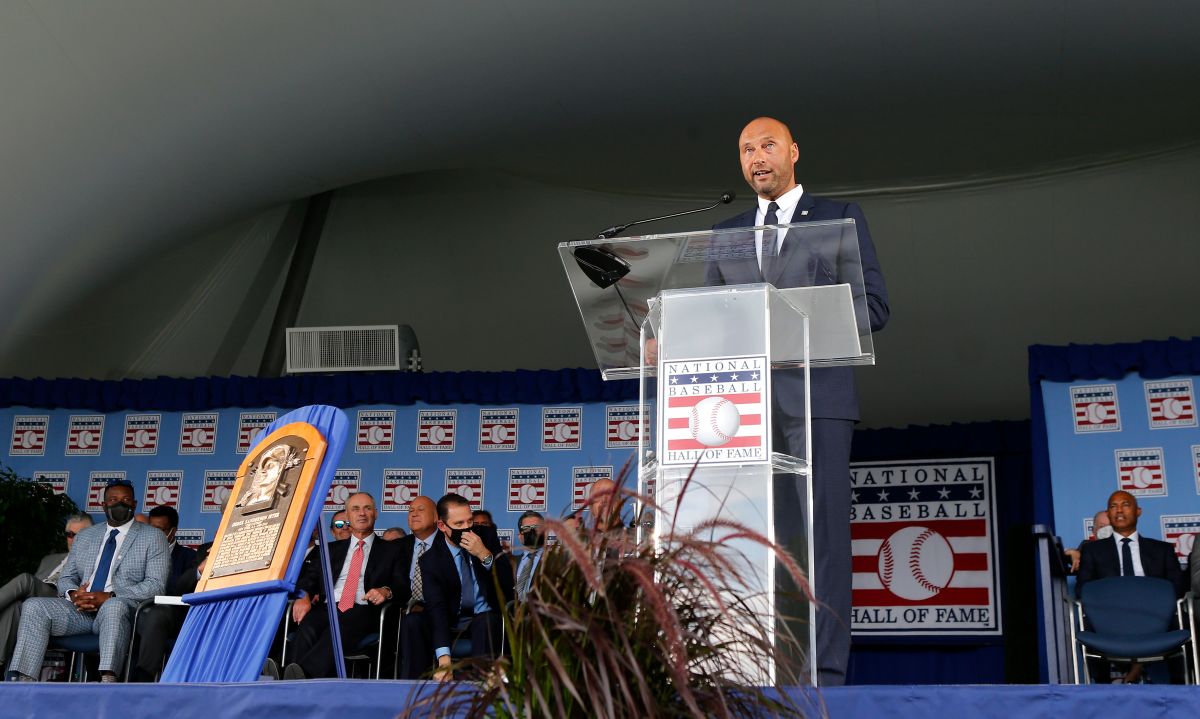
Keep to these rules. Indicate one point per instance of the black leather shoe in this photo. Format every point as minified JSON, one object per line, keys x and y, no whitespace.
{"x":292,"y":672}
{"x":270,"y":669}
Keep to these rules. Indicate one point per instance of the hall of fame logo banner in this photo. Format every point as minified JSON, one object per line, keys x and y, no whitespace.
{"x":218,"y":483}
{"x":85,"y":435}
{"x":162,"y":489}
{"x":29,"y":435}
{"x":97,"y":481}
{"x":345,"y":483}
{"x":198,"y":434}
{"x":1141,"y":472}
{"x":923,"y":545}
{"x":498,"y":429}
{"x":715,"y":410}
{"x":562,"y":427}
{"x":1196,"y":465}
{"x":436,"y":430}
{"x":1095,"y":408}
{"x":400,"y":488}
{"x":56,"y":481}
{"x":625,"y":425}
{"x":468,"y":483}
{"x":376,"y":429}
{"x":141,"y":434}
{"x":190,"y":537}
{"x":1180,"y":530}
{"x":1170,"y":403}
{"x":582,"y":479}
{"x":249,"y":425}
{"x":527,"y":488}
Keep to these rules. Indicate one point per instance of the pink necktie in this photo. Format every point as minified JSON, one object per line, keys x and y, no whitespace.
{"x":350,"y":589}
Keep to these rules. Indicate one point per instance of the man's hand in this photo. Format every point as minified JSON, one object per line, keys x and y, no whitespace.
{"x":474,"y":546}
{"x":443,"y":673}
{"x":90,"y":601}
{"x":379,"y":595}
{"x":1074,"y":555}
{"x":300,"y":609}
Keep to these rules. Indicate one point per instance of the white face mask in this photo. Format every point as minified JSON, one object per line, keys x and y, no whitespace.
{"x":1104,"y":532}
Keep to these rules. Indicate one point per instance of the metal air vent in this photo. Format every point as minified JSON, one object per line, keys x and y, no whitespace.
{"x":351,"y":349}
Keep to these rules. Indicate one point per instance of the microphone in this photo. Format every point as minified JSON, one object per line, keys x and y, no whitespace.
{"x":726,"y":198}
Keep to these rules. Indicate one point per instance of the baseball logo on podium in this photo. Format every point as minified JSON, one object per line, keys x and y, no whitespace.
{"x":714,"y":410}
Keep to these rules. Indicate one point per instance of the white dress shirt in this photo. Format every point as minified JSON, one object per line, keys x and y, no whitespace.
{"x":359,"y":592}
{"x":787,"y":207}
{"x":1137,"y":555}
{"x":122,"y":533}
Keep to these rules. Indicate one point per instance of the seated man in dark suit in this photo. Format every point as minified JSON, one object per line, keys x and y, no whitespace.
{"x":364,"y":568}
{"x":460,"y":574}
{"x":39,"y":584}
{"x":1126,"y":553}
{"x":158,"y":625}
{"x":1194,"y":565}
{"x":416,"y":639}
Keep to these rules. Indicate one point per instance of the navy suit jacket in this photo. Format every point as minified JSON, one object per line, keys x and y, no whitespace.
{"x":382,"y":570}
{"x":834,"y":395}
{"x":443,"y":588}
{"x":183,"y":571}
{"x":1100,"y":560}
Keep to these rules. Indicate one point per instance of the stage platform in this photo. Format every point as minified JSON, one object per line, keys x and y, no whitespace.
{"x":338,"y":699}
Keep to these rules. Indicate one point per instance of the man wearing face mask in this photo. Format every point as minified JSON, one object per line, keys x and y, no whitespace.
{"x":532,"y":528}
{"x":156,"y":624}
{"x":1101,"y":529}
{"x":461,"y":575}
{"x":111,"y":568}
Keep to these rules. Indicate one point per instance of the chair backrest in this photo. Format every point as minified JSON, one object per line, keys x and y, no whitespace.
{"x":1129,"y":605}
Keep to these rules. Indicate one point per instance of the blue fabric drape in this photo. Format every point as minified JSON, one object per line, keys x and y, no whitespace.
{"x":346,"y":390}
{"x":228,"y":632}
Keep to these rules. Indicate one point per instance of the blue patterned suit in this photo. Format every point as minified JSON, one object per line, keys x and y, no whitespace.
{"x":139,"y":571}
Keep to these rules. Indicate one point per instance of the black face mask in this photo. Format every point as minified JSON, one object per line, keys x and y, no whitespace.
{"x":118,"y":514}
{"x":533,"y":539}
{"x":456,"y":535}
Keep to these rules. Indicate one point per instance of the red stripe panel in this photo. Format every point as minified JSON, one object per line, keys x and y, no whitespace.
{"x":682,"y":422}
{"x":944,"y":527}
{"x":743,"y":398}
{"x":869,"y":563}
{"x":965,"y":596}
{"x":678,"y":444}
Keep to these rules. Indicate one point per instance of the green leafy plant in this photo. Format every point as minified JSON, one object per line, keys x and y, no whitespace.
{"x":31,"y":522}
{"x":616,"y":628}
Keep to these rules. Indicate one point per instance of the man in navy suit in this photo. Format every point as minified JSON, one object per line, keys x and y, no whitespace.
{"x":416,"y":642}
{"x":159,"y":624}
{"x":364,"y":569}
{"x":768,"y":155}
{"x":461,"y":574}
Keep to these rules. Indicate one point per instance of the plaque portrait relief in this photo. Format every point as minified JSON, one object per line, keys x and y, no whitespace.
{"x":267,"y":479}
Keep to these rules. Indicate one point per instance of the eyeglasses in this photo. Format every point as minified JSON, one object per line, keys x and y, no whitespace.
{"x":527,"y":527}
{"x":340,"y":524}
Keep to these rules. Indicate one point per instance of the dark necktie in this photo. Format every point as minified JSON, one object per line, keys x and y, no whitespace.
{"x":524,"y":576}
{"x":1126,"y":558}
{"x":100,"y":578}
{"x":468,"y":583}
{"x":769,"y":252}
{"x":418,"y":582}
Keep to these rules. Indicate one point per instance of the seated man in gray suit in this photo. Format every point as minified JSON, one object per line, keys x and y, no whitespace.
{"x":41,"y":583}
{"x":110,"y":569}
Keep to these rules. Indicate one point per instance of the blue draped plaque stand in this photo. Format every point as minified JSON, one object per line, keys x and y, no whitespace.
{"x":228,"y":632}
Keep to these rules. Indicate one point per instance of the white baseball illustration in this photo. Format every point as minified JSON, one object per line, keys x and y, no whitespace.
{"x":162,"y":495}
{"x":916,"y":563}
{"x":497,"y":434}
{"x":527,"y":493}
{"x":465,"y":491}
{"x":84,"y":439}
{"x":1172,"y":408}
{"x":405,"y":494}
{"x":437,"y":434}
{"x":1141,"y":476}
{"x":340,"y":493}
{"x":375,"y":434}
{"x":29,"y":439}
{"x":625,"y":431}
{"x":562,"y":432}
{"x":714,"y":421}
{"x":141,"y":438}
{"x":199,"y":436}
{"x":1097,"y":413}
{"x":1184,"y":544}
{"x":222,"y":495}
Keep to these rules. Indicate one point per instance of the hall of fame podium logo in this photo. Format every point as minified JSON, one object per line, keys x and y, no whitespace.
{"x":436,"y":430}
{"x":582,"y":479}
{"x":190,"y":537}
{"x":498,"y":429}
{"x":198,"y":433}
{"x":400,"y":488}
{"x":56,"y":481}
{"x":527,"y":488}
{"x":562,"y":428}
{"x":345,"y":483}
{"x":29,"y":435}
{"x":1180,"y":530}
{"x":1095,"y":408}
{"x":141,"y":434}
{"x":713,"y":410}
{"x":625,"y":424}
{"x":1141,"y":472}
{"x":97,"y":481}
{"x":468,"y":483}
{"x":1170,"y":403}
{"x":162,"y":489}
{"x":923,"y":544}
{"x":85,"y":435}
{"x":218,"y":484}
{"x":250,"y":424}
{"x":376,"y":430}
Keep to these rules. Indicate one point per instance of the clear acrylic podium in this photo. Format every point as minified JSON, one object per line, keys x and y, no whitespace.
{"x":713,"y":347}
